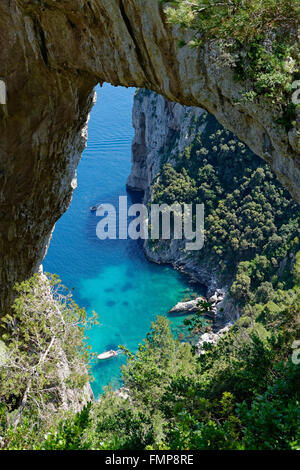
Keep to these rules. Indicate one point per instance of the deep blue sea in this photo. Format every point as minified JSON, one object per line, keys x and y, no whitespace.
{"x":111,"y":277}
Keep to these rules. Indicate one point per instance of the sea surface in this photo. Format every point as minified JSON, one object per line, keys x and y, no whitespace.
{"x":111,"y":277}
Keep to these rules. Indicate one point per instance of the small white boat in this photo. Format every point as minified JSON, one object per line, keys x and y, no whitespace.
{"x":107,"y":355}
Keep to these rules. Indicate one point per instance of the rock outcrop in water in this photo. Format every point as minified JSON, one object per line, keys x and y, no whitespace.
{"x":190,"y":306}
{"x":52,"y":55}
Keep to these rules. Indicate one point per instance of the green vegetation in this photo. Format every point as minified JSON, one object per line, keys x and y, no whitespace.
{"x":198,"y":322}
{"x":242,"y":394}
{"x":239,"y":19}
{"x":249,"y":218}
{"x":44,"y":354}
{"x":261,"y":39}
{"x":252,"y":234}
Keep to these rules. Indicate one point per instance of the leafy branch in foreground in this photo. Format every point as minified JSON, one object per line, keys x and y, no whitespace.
{"x":243,"y":393}
{"x":199,"y":319}
{"x":45,"y":351}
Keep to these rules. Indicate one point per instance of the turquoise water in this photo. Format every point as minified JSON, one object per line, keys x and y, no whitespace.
{"x":111,"y":277}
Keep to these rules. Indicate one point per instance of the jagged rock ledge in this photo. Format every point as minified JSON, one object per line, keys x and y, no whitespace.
{"x":190,"y":306}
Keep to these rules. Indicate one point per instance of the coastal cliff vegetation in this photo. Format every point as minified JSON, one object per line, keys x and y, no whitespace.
{"x":44,"y":358}
{"x":259,"y":38}
{"x":251,"y":222}
{"x":244,"y":392}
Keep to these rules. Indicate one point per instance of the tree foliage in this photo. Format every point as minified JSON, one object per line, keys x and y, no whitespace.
{"x":45,"y":353}
{"x":261,"y":37}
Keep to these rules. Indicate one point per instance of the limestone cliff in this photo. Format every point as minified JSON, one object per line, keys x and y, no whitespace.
{"x":159,"y":125}
{"x":163,"y":130}
{"x":195,"y":145}
{"x":52,"y":55}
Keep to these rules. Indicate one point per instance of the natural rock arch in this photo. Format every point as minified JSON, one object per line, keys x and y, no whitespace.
{"x":52,"y":55}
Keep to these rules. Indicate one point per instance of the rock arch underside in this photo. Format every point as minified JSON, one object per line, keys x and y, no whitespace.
{"x":52,"y":55}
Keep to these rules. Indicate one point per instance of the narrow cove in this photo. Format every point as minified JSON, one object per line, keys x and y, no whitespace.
{"x":111,"y":277}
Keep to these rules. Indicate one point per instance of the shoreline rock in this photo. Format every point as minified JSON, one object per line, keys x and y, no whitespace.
{"x":189,"y":306}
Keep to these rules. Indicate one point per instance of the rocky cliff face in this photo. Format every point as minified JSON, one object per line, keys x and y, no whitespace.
{"x":163,"y":130}
{"x":52,"y":55}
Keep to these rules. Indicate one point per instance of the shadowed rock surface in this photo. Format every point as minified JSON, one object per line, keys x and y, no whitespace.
{"x":52,"y":55}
